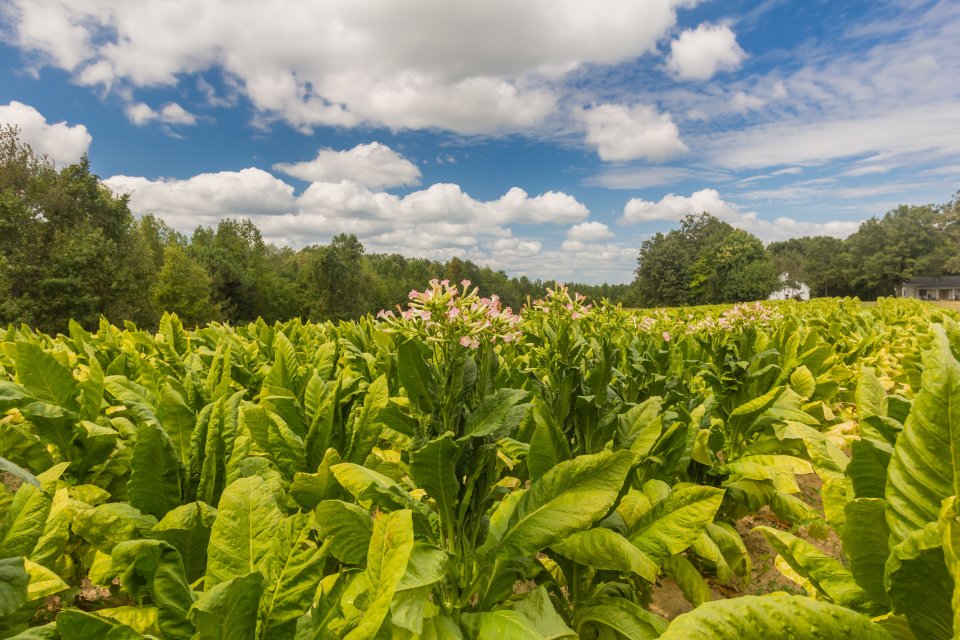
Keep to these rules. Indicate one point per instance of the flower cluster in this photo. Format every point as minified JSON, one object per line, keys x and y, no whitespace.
{"x":658,"y":324}
{"x":442,"y":313}
{"x":560,"y":303}
{"x":737,"y":317}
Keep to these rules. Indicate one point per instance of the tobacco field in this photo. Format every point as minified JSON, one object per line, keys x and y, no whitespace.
{"x":453,"y":469}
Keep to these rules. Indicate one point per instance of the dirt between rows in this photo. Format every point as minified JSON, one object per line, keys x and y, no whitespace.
{"x":668,"y":600}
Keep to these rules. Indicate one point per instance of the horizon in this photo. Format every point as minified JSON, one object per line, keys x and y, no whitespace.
{"x":542,"y":140}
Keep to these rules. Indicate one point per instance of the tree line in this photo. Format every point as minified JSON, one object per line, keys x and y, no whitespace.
{"x":71,"y":249}
{"x":708,"y":261}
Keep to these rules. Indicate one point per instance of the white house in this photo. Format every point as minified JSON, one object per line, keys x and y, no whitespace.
{"x":931,"y":288}
{"x":790,"y":290}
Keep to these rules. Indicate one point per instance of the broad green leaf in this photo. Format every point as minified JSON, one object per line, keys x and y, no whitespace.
{"x":228,"y":611}
{"x":14,"y":581}
{"x":865,"y":539}
{"x":772,"y":616}
{"x":949,"y":528}
{"x":608,"y":550}
{"x":45,"y":632}
{"x":107,"y":525}
{"x":292,"y":569}
{"x":532,"y":618}
{"x":155,"y":473}
{"x":870,"y":397}
{"x":925,"y":467}
{"x":868,"y":468}
{"x":43,"y":581}
{"x":433,"y":468}
{"x":153,"y":569}
{"x":177,"y":419}
{"x":351,"y":527}
{"x":548,"y":445}
{"x":140,"y":619}
{"x":497,"y":415}
{"x":411,"y":601}
{"x":570,"y":497}
{"x":371,"y":488}
{"x":675,"y":523}
{"x":45,"y":378}
{"x":723,"y":548}
{"x":688,"y":578}
{"x":247,"y":519}
{"x":919,"y":584}
{"x":623,"y":617}
{"x":366,"y":428}
{"x":13,"y":395}
{"x":91,"y":391}
{"x":187,"y":529}
{"x":823,"y":571}
{"x":640,"y":427}
{"x":138,"y":400}
{"x":310,"y":489}
{"x":803,"y":382}
{"x":415,"y":376}
{"x":758,"y":404}
{"x":440,"y":628}
{"x":273,"y":436}
{"x":73,"y":624}
{"x":387,"y":557}
{"x":23,"y":524}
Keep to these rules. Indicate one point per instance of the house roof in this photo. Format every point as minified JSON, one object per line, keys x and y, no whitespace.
{"x":935,"y":281}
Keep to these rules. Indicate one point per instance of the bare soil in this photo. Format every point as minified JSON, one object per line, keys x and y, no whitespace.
{"x":668,"y":600}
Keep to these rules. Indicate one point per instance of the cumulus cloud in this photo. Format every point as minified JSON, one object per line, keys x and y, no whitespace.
{"x":62,"y":143}
{"x":471,"y":67}
{"x":620,"y":132}
{"x":441,"y":218}
{"x":697,"y":54}
{"x":373,"y":165}
{"x":674,"y":208}
{"x":140,"y":113}
{"x":592,"y":231}
{"x":207,"y":197}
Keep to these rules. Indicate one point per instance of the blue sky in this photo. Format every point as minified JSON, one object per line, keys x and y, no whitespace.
{"x":544,"y":137}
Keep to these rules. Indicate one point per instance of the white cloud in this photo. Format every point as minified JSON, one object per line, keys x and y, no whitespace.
{"x":697,"y":54}
{"x":140,"y":113}
{"x":865,"y":170}
{"x":932,"y":127}
{"x":62,"y":143}
{"x":207,"y":197}
{"x":441,"y":220}
{"x":373,"y":165}
{"x":620,"y":132}
{"x":674,"y":208}
{"x":742,"y":102}
{"x":471,"y":67}
{"x":592,"y":231}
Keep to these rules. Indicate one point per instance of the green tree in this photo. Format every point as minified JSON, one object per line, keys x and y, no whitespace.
{"x":704,"y":261}
{"x":907,"y":242}
{"x":70,"y":247}
{"x":183,"y":287}
{"x":820,"y":262}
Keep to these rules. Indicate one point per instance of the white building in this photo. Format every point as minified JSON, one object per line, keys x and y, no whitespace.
{"x":790,"y":290}
{"x":931,"y":288}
